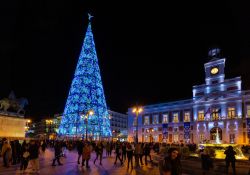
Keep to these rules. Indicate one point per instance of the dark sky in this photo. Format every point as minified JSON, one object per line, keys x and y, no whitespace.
{"x":149,"y":52}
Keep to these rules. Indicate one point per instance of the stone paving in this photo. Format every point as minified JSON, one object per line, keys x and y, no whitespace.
{"x":70,"y":167}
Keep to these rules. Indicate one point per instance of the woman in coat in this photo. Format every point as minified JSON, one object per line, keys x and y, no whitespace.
{"x":6,"y":152}
{"x":86,"y":154}
{"x":171,"y":163}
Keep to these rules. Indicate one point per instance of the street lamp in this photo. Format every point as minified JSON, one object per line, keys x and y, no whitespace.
{"x":137,"y":110}
{"x":86,"y":116}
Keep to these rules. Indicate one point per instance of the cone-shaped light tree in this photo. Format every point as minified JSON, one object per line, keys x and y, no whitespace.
{"x":86,"y":93}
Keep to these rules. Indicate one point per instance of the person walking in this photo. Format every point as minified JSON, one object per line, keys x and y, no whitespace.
{"x":141,"y":151}
{"x":99,"y":152}
{"x":43,"y":145}
{"x":137,"y":147}
{"x":34,"y":156}
{"x":79,"y":148}
{"x":108,"y":147}
{"x":147,"y":153}
{"x":111,"y":148}
{"x":124,"y":152}
{"x":130,"y":150}
{"x":206,"y":162}
{"x":58,"y":152}
{"x":118,"y":151}
{"x":24,"y":158}
{"x":14,"y":153}
{"x":171,"y":163}
{"x":230,"y":158}
{"x":6,"y":153}
{"x":19,"y":151}
{"x":86,"y":154}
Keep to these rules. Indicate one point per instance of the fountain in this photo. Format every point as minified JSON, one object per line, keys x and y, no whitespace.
{"x":218,"y":149}
{"x":217,"y":140}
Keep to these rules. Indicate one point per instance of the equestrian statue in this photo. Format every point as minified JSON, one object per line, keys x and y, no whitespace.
{"x":13,"y":104}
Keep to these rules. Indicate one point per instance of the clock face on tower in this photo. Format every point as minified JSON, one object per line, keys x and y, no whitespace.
{"x":214,"y":70}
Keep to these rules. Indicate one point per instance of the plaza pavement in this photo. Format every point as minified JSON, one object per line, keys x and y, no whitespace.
{"x":70,"y":166}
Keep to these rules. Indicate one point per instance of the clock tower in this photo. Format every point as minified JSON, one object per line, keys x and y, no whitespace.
{"x":214,"y":69}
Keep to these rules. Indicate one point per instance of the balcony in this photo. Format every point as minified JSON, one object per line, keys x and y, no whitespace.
{"x":219,"y":118}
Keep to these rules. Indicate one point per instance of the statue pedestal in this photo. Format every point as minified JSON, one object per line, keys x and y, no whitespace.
{"x":12,"y":126}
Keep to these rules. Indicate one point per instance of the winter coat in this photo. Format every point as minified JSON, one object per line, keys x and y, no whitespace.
{"x":79,"y":147}
{"x":129,"y":152}
{"x":173,"y":165}
{"x":230,"y":155}
{"x":206,"y":162}
{"x":6,"y":151}
{"x":108,"y":147}
{"x":58,"y":150}
{"x":34,"y":151}
{"x":147,"y":150}
{"x":86,"y":153}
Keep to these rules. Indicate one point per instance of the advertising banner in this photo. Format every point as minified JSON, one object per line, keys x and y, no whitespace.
{"x":248,"y":127}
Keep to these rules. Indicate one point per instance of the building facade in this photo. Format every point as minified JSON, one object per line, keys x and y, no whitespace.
{"x":218,"y":112}
{"x":48,"y":128}
{"x":119,"y":125}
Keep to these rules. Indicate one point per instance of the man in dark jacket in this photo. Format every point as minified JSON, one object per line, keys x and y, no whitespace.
{"x":130,"y":155}
{"x":34,"y":153}
{"x":147,"y":153}
{"x":79,"y":148}
{"x":118,"y":151}
{"x":58,"y":152}
{"x":230,"y":158}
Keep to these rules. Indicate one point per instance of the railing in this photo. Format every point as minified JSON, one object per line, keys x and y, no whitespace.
{"x":220,"y":118}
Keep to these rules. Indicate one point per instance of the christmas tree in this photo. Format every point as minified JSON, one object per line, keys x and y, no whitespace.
{"x":86,"y":93}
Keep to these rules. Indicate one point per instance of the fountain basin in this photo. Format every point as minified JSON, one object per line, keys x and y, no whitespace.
{"x":219,"y":149}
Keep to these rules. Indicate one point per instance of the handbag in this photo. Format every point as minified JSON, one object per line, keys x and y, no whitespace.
{"x":26,"y":154}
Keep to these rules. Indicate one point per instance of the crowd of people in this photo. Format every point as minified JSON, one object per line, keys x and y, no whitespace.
{"x":133,"y":154}
{"x":26,"y":153}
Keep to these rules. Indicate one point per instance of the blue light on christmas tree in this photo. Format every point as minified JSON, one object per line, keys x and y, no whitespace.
{"x":86,"y":93}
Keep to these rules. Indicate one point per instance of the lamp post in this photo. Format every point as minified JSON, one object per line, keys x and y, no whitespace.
{"x":86,"y":116}
{"x":137,"y":110}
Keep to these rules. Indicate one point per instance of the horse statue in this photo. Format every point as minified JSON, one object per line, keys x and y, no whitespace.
{"x":14,"y":104}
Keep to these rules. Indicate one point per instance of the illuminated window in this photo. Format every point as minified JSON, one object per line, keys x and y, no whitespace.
{"x":248,"y":111}
{"x":187,"y":117}
{"x":215,"y":114}
{"x":176,"y":137}
{"x":201,"y":115}
{"x":155,"y":119}
{"x":231,"y":112}
{"x":146,"y":120}
{"x":175,"y":118}
{"x":165,"y":118}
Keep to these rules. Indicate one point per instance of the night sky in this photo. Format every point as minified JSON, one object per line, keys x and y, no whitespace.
{"x":149,"y":52}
